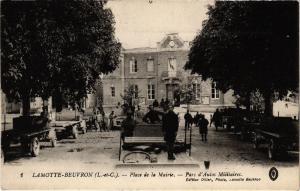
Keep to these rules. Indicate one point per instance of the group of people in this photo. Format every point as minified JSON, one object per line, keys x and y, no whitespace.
{"x":200,"y":121}
{"x":103,"y":123}
{"x":163,"y":103}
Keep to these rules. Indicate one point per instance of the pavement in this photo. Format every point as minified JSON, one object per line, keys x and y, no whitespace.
{"x":103,"y":148}
{"x":99,"y":152}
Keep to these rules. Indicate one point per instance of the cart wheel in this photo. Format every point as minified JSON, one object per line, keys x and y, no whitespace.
{"x":255,"y":141}
{"x":271,"y":149}
{"x":75,"y":132}
{"x":53,"y":142}
{"x":35,"y":147}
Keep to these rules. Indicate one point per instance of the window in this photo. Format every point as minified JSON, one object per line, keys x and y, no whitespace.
{"x":133,"y":65}
{"x":150,"y":64}
{"x":172,"y":67}
{"x":151,"y":91}
{"x":113,"y":91}
{"x":215,"y":94}
{"x":197,"y":90}
{"x":136,"y":91}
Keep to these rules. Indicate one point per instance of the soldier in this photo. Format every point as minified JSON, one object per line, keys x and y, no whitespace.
{"x":216,"y":119}
{"x":188,"y":120}
{"x":162,"y":103}
{"x":170,"y":128}
{"x":128,"y":126}
{"x":203,"y":123}
{"x":98,"y":121}
{"x":111,"y":120}
{"x":155,"y":103}
{"x":151,"y":116}
{"x":196,"y":118}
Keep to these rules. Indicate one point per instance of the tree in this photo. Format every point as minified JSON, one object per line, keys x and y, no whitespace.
{"x":55,"y":48}
{"x":248,"y":46}
{"x":187,"y":93}
{"x":130,"y":97}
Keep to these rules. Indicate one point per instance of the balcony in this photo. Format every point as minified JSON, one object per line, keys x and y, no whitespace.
{"x":168,"y":76}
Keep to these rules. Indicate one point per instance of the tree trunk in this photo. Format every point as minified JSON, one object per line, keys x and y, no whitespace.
{"x":26,"y":105}
{"x":268,"y":103}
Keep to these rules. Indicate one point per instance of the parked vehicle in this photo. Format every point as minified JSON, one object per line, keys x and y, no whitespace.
{"x":29,"y":131}
{"x":89,"y":116}
{"x":118,"y":122}
{"x":69,"y":123}
{"x":281,"y":134}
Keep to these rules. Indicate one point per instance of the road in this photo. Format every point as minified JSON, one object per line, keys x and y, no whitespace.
{"x":102,"y":148}
{"x":95,"y":152}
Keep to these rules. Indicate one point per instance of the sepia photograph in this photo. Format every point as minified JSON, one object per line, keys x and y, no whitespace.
{"x":149,"y":94}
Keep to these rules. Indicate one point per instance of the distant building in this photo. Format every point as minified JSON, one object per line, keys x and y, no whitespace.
{"x":158,"y":73}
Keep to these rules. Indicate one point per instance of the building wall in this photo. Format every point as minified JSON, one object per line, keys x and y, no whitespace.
{"x":122,"y":78}
{"x":116,"y":80}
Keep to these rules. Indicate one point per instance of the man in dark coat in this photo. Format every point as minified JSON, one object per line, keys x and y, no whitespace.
{"x":216,"y":119}
{"x":203,"y":123}
{"x":155,"y":103}
{"x":170,"y":128}
{"x":162,"y":103}
{"x":151,"y":116}
{"x":196,"y":118}
{"x":128,"y":126}
{"x":188,"y":120}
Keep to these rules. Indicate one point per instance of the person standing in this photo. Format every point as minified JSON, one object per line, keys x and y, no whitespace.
{"x":98,"y":121}
{"x":188,"y":120}
{"x":216,"y":119}
{"x":151,"y":116}
{"x":111,"y":120}
{"x":170,"y":128}
{"x":203,"y":123}
{"x":155,"y":103}
{"x":128,"y":126}
{"x":196,"y":118}
{"x":162,"y":103}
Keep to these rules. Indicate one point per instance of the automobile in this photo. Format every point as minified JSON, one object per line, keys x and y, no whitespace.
{"x":118,"y":122}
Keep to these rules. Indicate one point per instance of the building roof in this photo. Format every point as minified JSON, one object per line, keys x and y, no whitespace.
{"x":171,"y":42}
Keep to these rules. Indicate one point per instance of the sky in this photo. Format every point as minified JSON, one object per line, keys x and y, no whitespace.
{"x":140,"y":23}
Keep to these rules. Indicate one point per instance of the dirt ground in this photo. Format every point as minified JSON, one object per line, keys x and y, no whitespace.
{"x":103,"y":147}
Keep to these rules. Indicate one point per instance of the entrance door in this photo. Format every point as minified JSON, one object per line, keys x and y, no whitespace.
{"x":172,"y":91}
{"x":170,"y":94}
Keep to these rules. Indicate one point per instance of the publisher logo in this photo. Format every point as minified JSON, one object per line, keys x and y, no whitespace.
{"x":273,"y":173}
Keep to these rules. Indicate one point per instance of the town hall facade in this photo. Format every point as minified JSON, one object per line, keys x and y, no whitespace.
{"x":158,"y":73}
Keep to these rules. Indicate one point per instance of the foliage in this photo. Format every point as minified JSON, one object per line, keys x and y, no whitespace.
{"x":249,"y":45}
{"x":55,"y":47}
{"x":130,"y":95}
{"x":187,"y":93}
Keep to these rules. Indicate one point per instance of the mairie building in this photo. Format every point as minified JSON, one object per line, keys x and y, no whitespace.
{"x":158,"y":73}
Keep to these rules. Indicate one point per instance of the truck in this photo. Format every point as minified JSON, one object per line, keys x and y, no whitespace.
{"x":28,"y":131}
{"x":280,"y":134}
{"x":69,"y":123}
